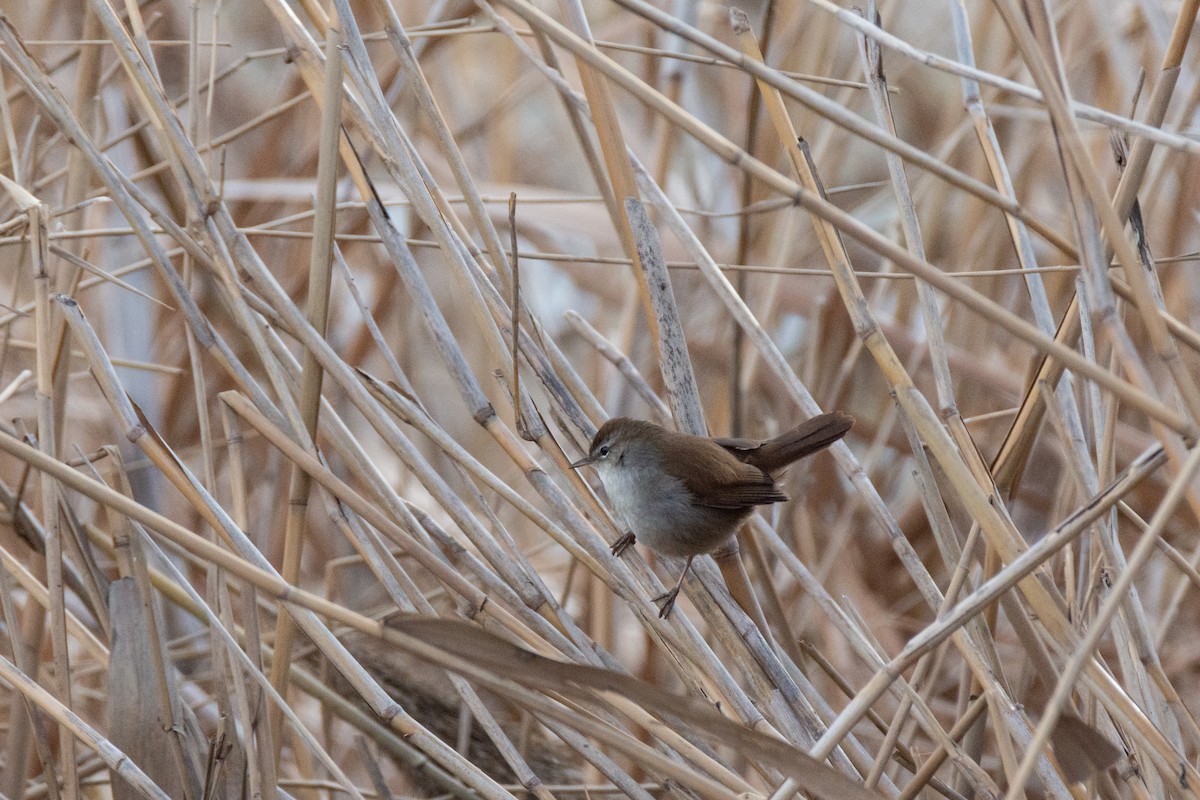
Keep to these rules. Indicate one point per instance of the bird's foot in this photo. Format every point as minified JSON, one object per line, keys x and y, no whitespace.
{"x":666,"y":602}
{"x":622,"y":544}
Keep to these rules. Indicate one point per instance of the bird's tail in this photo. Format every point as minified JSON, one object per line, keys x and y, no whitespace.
{"x":803,"y":440}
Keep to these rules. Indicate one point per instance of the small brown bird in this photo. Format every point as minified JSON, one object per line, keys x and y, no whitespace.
{"x":684,"y":495}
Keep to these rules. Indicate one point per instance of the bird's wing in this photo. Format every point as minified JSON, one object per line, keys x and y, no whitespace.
{"x":740,"y":445}
{"x":737,"y":496}
{"x":725,"y":482}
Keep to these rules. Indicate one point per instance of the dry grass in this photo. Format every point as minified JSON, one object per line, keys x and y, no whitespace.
{"x":266,"y":415}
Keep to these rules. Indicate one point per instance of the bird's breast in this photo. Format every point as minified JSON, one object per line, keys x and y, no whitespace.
{"x":658,"y":509}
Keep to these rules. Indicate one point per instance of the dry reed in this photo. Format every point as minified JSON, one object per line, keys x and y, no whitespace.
{"x":278,"y":530}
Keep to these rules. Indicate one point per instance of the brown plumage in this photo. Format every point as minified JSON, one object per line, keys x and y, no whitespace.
{"x":684,"y":495}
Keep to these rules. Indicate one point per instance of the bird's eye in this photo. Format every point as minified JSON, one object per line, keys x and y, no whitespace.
{"x":603,"y":451}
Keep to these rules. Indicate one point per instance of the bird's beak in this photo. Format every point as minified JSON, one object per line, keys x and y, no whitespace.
{"x":583,"y":462}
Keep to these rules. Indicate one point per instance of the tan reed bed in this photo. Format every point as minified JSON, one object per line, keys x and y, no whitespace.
{"x":307,"y":307}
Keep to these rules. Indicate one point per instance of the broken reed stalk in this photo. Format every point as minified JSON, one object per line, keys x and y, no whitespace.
{"x":317,"y":312}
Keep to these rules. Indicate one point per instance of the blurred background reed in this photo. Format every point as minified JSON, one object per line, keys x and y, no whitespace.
{"x":262,"y":407}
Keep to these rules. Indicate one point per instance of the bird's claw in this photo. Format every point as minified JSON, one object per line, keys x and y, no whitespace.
{"x":622,"y":544}
{"x":666,"y":602}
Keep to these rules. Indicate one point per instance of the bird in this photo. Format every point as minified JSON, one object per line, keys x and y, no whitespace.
{"x":684,"y":495}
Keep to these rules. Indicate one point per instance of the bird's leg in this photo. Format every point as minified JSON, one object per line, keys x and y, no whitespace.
{"x":666,"y":600}
{"x":622,"y":544}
